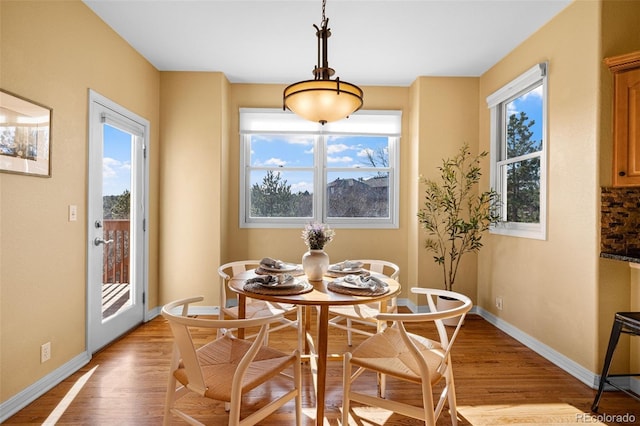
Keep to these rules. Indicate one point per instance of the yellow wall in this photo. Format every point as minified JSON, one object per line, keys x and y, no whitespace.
{"x":53,"y":53}
{"x":447,"y":119}
{"x":193,"y":106}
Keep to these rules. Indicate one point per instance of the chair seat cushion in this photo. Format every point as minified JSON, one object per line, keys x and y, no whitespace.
{"x":219,"y":360}
{"x":387,"y":353}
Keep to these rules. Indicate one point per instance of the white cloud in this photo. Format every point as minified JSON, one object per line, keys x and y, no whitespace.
{"x":345,"y":159}
{"x":302,"y":187}
{"x":365,"y":152}
{"x":531,"y":96}
{"x":275,"y":162}
{"x":336,"y":147}
{"x":537,"y":93}
{"x":109,"y":167}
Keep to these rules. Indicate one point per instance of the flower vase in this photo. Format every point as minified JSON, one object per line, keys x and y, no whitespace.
{"x":315,"y":263}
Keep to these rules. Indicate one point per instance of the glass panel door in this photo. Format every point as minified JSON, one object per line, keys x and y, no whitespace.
{"x":117,"y":241}
{"x":116,"y":214}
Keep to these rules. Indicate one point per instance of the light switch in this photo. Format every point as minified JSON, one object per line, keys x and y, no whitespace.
{"x":73,"y":213}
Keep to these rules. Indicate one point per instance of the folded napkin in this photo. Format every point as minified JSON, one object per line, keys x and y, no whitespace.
{"x":347,"y":265}
{"x":271,"y":263}
{"x":361,"y":282}
{"x":271,"y":280}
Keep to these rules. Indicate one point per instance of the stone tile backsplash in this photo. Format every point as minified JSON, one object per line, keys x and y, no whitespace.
{"x":620,"y":220}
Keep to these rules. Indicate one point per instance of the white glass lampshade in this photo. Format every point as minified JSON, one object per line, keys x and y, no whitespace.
{"x":323,"y":101}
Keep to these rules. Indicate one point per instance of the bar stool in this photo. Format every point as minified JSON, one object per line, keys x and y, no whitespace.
{"x":624,"y":322}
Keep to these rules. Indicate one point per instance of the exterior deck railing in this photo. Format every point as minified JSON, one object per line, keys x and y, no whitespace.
{"x":116,"y":253}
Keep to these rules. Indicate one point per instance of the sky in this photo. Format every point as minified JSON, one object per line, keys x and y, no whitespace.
{"x":116,"y":161}
{"x":294,"y":155}
{"x":531,"y":104}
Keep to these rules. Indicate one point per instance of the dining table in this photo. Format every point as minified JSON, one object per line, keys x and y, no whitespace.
{"x":312,"y":295}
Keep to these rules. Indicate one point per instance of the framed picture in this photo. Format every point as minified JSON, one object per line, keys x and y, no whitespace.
{"x":25,"y":136}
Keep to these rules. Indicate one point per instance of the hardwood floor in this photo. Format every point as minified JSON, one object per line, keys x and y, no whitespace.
{"x":498,"y":381}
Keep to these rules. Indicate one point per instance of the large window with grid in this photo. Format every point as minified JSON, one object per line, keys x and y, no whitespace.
{"x":518,"y":153}
{"x":294,"y":171}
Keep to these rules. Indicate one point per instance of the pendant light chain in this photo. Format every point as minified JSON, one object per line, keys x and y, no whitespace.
{"x":322,"y":99}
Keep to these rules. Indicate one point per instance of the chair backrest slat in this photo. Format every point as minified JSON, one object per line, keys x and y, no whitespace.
{"x":379,"y":266}
{"x":189,"y":357}
{"x":227,"y":271}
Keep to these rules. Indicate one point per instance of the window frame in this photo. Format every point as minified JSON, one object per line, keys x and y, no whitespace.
{"x":496,"y":102}
{"x":265,"y":121}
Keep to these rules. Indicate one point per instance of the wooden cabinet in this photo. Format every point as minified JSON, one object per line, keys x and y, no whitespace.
{"x":626,"y":118}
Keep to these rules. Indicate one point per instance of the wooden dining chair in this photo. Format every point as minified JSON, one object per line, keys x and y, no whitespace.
{"x":405,"y":356}
{"x":343,"y":317}
{"x":257,"y":308}
{"x":228,"y":368}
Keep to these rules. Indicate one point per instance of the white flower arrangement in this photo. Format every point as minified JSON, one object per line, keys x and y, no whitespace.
{"x":317,"y":235}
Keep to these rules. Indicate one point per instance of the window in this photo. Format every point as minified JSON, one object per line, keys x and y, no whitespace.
{"x":294,"y":171}
{"x":518,"y":153}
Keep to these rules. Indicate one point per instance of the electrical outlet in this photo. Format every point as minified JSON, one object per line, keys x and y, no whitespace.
{"x":499,"y":303}
{"x":45,"y":352}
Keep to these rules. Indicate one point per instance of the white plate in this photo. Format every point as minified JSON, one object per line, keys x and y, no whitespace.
{"x":287,"y":267}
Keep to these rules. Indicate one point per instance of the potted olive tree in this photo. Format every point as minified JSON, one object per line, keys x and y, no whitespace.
{"x":454,"y":215}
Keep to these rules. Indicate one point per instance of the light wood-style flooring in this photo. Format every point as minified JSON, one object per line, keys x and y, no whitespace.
{"x":499,"y":382}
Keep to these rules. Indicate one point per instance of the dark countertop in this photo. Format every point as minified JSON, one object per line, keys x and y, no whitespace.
{"x":631,"y":257}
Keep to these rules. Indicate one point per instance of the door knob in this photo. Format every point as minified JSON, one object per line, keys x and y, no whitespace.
{"x":99,"y":241}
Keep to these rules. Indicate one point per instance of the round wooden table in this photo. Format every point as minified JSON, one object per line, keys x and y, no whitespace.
{"x":322,"y":298}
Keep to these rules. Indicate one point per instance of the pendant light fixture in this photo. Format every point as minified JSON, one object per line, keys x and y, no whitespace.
{"x":323,"y":100}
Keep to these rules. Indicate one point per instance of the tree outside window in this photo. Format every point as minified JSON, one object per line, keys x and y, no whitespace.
{"x":295,"y":175}
{"x":518,"y":115}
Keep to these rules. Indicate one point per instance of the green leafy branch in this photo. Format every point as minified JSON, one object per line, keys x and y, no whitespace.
{"x":453,"y":215}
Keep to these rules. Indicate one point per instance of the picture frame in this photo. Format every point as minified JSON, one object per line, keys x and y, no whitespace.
{"x":25,"y":136}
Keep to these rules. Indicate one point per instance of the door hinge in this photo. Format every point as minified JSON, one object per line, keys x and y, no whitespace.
{"x":144,"y":225}
{"x":144,"y":151}
{"x":144,"y":298}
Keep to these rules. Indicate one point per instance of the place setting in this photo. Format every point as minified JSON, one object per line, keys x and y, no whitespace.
{"x":270,"y":266}
{"x":347,"y":267}
{"x":277,"y":278}
{"x":357,"y":285}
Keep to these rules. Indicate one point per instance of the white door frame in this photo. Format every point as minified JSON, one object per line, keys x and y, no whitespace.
{"x":98,"y":334}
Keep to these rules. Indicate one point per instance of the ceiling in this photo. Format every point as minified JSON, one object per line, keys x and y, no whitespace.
{"x":373,"y":42}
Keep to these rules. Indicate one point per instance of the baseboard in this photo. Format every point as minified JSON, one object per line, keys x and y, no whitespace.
{"x":581,"y":373}
{"x":37,"y":389}
{"x":152,"y":313}
{"x":573,"y":368}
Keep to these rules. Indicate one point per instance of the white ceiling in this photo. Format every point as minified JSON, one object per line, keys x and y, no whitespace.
{"x":373,"y":42}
